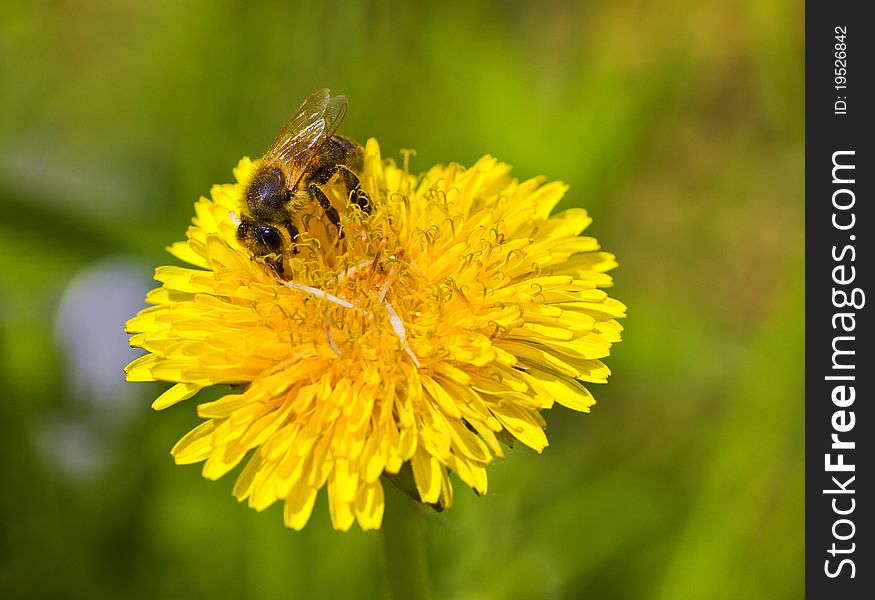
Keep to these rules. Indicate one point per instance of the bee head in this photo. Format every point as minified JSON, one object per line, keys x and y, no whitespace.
{"x":265,"y":241}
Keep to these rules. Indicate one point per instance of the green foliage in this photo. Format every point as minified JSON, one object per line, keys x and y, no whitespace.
{"x":678,"y":125}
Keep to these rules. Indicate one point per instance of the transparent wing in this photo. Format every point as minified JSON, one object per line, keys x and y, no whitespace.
{"x":300,"y":139}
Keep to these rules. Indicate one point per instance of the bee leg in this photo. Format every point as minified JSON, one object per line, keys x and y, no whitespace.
{"x":351,"y":181}
{"x":360,"y":198}
{"x":277,"y":266}
{"x":323,"y":201}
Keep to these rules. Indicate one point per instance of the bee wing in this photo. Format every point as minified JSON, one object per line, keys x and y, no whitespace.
{"x":312,"y":125}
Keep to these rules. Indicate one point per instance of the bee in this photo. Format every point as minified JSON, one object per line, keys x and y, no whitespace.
{"x":304,"y":156}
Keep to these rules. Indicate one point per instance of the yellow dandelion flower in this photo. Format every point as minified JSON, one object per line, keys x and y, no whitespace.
{"x":435,"y":329}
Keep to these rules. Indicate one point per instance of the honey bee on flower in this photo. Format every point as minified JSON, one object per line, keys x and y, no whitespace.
{"x":287,"y":181}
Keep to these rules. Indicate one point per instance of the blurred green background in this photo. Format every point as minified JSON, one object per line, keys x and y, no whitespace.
{"x":678,"y":125}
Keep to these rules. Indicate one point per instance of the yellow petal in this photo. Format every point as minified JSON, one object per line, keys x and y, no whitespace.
{"x":369,"y":505}
{"x":341,"y":511}
{"x":177,"y":393}
{"x":426,"y":473}
{"x":299,"y":506}
{"x":184,"y":252}
{"x":566,"y":392}
{"x":196,"y":445}
{"x":522,"y":424}
{"x":223,"y":460}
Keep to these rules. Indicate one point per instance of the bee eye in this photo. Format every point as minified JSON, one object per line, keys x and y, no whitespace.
{"x":269,"y":238}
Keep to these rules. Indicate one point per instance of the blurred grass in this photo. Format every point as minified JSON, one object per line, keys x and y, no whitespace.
{"x":677,"y":124}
